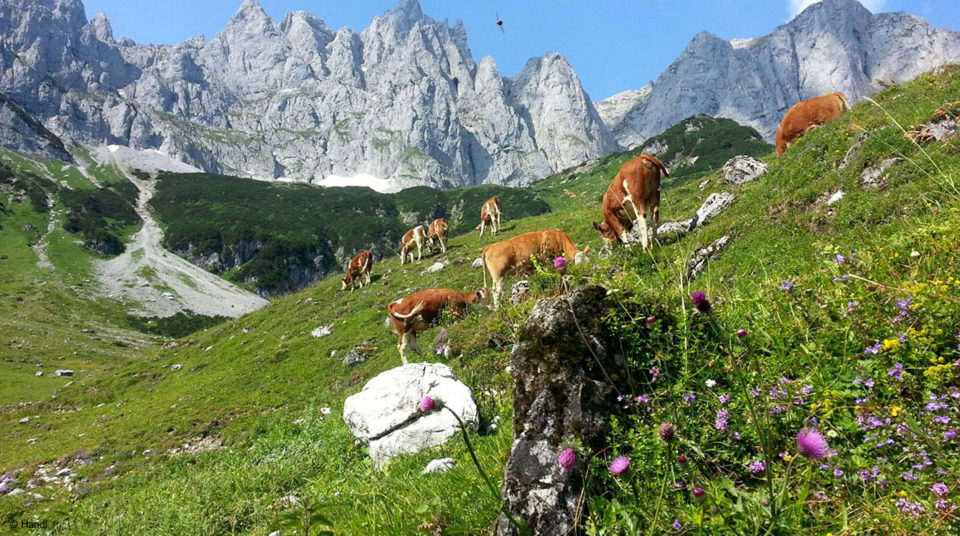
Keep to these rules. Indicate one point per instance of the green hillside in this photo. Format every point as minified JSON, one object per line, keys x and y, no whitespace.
{"x":248,"y":400}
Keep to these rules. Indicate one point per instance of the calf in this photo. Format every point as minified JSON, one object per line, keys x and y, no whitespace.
{"x":807,"y":115}
{"x":419,"y":310}
{"x":439,"y":228}
{"x":491,"y":211}
{"x":633,"y":193}
{"x":413,"y":238}
{"x":514,"y":255}
{"x":360,"y":266}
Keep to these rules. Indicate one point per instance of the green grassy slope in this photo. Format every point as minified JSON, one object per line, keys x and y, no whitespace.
{"x":257,"y":384}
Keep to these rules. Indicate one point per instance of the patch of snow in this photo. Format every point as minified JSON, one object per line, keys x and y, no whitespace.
{"x":360,"y":179}
{"x":742,"y":43}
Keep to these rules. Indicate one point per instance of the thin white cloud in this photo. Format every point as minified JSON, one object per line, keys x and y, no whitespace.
{"x":796,"y":6}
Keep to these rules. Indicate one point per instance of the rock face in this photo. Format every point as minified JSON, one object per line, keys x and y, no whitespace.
{"x":562,"y":392}
{"x":385,"y":412}
{"x":700,"y":256}
{"x":403,"y":100}
{"x":833,"y":45}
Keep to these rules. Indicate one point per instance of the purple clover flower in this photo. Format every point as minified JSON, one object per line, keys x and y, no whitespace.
{"x":721,"y":422}
{"x":940,"y":489}
{"x":812,"y":444}
{"x":915,"y":509}
{"x":619,"y":465}
{"x":567,"y":459}
{"x":757,"y":466}
{"x":724,"y":398}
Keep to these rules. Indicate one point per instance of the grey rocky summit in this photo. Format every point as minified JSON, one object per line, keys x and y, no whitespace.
{"x":833,"y":45}
{"x":402,"y":100}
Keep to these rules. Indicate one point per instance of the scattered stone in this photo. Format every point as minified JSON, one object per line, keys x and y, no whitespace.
{"x":711,"y":208}
{"x":149,"y":452}
{"x":673,"y":227}
{"x":435,"y":267}
{"x":460,"y":260}
{"x":440,"y":465}
{"x":288,"y":502}
{"x":742,"y":169}
{"x":39,"y":373}
{"x":322,"y":331}
{"x":25,"y":420}
{"x":32,"y":440}
{"x":944,"y":125}
{"x":63,"y":372}
{"x":17,"y":491}
{"x":325,"y":411}
{"x":704,"y":184}
{"x":178,"y":366}
{"x":562,"y":370}
{"x":875,"y":177}
{"x":698,"y":260}
{"x":87,"y":331}
{"x":837,"y":196}
{"x":386,"y":415}
{"x":358,"y":354}
{"x":68,"y":384}
{"x":477,"y":263}
{"x":519,"y":291}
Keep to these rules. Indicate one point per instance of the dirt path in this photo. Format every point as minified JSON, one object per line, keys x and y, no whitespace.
{"x":40,"y":247}
{"x":161,"y":283}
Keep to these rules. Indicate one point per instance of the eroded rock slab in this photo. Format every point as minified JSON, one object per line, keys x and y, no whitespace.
{"x":741,"y":169}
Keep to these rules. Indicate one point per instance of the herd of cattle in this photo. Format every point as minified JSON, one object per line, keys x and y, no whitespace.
{"x":632,"y":197}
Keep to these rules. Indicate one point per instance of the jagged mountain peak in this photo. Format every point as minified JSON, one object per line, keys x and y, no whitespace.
{"x":101,"y":27}
{"x":250,"y":14}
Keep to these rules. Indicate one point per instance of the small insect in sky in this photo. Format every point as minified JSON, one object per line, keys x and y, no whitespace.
{"x":499,"y":22}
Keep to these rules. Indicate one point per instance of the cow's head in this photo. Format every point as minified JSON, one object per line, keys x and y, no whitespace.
{"x":610,"y":236}
{"x":347,"y":280}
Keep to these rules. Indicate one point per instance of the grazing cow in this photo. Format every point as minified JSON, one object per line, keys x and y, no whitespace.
{"x":438,"y":231}
{"x":492,"y":211}
{"x":807,"y":115}
{"x":413,"y":238}
{"x":361,"y":265}
{"x":419,"y":310}
{"x":513,"y":255}
{"x":637,"y":184}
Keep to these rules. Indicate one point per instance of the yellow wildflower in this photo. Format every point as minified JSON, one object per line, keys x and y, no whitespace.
{"x":895,"y":410}
{"x":890,"y":343}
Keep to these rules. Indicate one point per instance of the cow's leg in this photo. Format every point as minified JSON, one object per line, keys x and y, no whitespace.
{"x":419,"y":253}
{"x":412,"y":342}
{"x":402,"y":346}
{"x":497,"y":290}
{"x":644,"y":236}
{"x":443,"y":245}
{"x":483,"y":225}
{"x":366,"y":277}
{"x":656,"y":221}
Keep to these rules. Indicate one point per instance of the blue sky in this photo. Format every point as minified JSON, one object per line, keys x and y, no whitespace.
{"x":614,"y":45}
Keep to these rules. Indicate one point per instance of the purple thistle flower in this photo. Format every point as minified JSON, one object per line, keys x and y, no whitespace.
{"x":426,"y":404}
{"x":619,"y":465}
{"x":559,"y":263}
{"x":812,"y":444}
{"x":666,"y":432}
{"x":700,"y":301}
{"x":741,"y":333}
{"x":724,"y":398}
{"x":757,"y":466}
{"x":698,"y":491}
{"x":567,"y":459}
{"x":785,"y":285}
{"x":651,"y":319}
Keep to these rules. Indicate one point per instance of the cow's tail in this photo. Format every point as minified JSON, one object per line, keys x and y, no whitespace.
{"x":656,"y":161}
{"x":844,"y":102}
{"x":399,"y":316}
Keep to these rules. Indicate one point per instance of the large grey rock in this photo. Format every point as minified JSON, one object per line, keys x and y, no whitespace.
{"x":741,"y":169}
{"x":833,"y":45}
{"x":386,"y":415}
{"x":562,"y":369}
{"x":875,"y":177}
{"x":403,"y":100}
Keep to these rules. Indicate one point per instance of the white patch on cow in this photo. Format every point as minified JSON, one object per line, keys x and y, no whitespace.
{"x":360,"y":179}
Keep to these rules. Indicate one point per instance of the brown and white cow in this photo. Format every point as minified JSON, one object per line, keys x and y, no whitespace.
{"x":438,"y":231}
{"x":419,"y":310}
{"x":513,"y":255}
{"x":633,"y":193}
{"x":491,"y":212}
{"x":361,"y":266}
{"x":414,"y":238}
{"x":807,"y":115}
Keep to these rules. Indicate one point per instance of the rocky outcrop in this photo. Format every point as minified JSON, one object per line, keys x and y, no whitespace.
{"x":385,"y":413}
{"x":833,"y":45}
{"x":563,"y":370}
{"x":403,"y":100}
{"x":700,"y":256}
{"x":741,"y":169}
